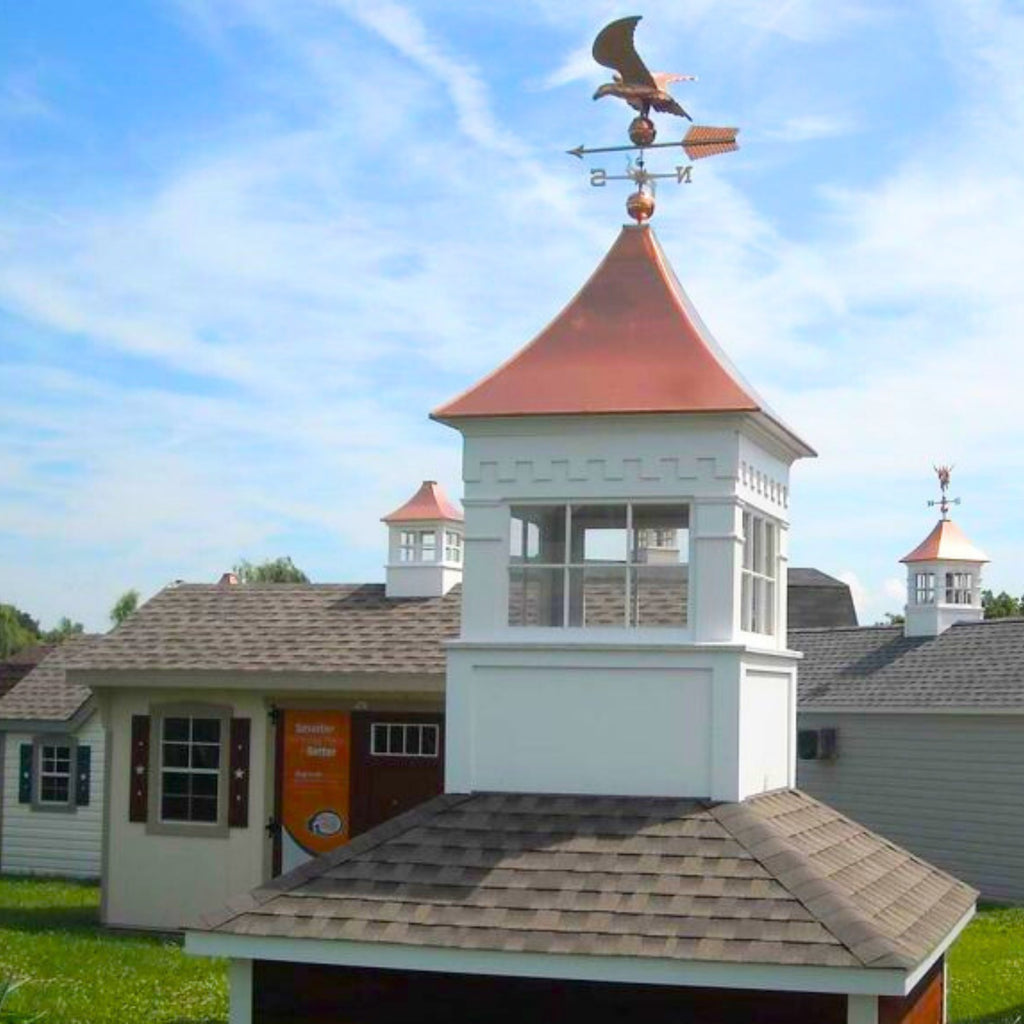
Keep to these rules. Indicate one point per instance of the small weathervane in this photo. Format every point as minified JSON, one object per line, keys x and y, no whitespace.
{"x":644,"y":91}
{"x":943,"y":473}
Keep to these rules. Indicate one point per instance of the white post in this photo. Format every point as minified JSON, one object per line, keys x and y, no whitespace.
{"x":240,"y":992}
{"x":859,"y":1010}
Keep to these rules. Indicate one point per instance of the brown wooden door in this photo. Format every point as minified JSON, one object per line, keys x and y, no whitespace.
{"x":397,"y":763}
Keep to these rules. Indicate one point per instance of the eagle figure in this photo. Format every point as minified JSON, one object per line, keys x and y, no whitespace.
{"x":613,"y":48}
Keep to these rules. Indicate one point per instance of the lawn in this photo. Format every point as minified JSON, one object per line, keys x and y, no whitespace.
{"x":80,"y":974}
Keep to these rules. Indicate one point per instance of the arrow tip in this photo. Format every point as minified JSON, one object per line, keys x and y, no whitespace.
{"x":577,"y":152}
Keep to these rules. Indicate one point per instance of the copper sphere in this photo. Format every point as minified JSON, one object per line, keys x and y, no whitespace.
{"x":642,"y":131}
{"x":640,"y":206}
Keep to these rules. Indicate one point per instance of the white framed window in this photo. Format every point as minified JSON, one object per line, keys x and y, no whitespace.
{"x":191,"y":761}
{"x":54,"y":767}
{"x":452,"y":546}
{"x":759,"y":574}
{"x":590,"y":565}
{"x":959,"y":588}
{"x":417,"y":546}
{"x":404,"y":739}
{"x":924,"y":588}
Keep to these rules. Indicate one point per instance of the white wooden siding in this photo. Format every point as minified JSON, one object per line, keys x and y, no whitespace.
{"x":950,"y":788}
{"x":52,"y":842}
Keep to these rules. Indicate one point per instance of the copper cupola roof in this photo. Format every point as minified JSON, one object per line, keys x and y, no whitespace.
{"x":428,"y":503}
{"x":629,"y":342}
{"x":946,"y":542}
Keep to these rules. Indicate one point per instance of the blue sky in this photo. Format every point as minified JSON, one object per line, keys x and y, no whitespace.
{"x":246,"y":245}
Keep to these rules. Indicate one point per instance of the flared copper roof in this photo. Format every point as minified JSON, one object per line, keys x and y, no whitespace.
{"x":429,"y":502}
{"x":629,"y":342}
{"x":947,"y":542}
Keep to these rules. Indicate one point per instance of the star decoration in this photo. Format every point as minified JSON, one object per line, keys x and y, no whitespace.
{"x":239,"y":773}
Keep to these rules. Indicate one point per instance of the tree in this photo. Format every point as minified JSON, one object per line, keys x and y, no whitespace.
{"x":1001,"y":606}
{"x":124,"y":606}
{"x":892,"y":619}
{"x":277,"y":570}
{"x":64,"y":629}
{"x":17,"y":630}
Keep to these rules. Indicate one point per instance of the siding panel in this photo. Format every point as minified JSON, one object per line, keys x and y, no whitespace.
{"x":50,"y":842}
{"x":947,"y":787}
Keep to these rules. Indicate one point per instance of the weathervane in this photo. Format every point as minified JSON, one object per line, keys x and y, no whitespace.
{"x":943,"y":473}
{"x":644,"y":91}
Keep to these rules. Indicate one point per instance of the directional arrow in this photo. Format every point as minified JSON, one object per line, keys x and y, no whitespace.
{"x":580,"y":151}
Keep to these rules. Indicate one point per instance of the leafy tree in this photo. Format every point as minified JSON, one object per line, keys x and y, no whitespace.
{"x":124,"y":606}
{"x":892,"y":619}
{"x":276,"y":570}
{"x":1001,"y":605}
{"x":64,"y":629}
{"x":17,"y":630}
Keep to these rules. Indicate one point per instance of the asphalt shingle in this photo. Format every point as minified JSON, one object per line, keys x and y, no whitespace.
{"x":45,"y":694}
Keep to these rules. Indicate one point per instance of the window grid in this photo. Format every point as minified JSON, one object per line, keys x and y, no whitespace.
{"x":452,"y":546}
{"x":574,"y":567}
{"x":760,"y":568}
{"x":417,"y":546}
{"x":190,"y":766}
{"x":403,"y":739}
{"x":959,"y":587}
{"x":924,"y":588}
{"x":54,"y":774}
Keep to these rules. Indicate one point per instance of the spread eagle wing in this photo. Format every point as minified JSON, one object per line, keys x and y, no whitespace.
{"x":613,"y":48}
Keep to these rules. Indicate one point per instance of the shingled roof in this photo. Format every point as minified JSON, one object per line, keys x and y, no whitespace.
{"x":45,"y":694}
{"x":776,"y":879}
{"x":280,"y":627}
{"x":971,"y":665}
{"x":816,"y":599}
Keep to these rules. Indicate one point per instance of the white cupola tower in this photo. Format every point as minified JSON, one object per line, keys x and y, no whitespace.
{"x":624,"y":605}
{"x":943,"y":574}
{"x":424,"y":545}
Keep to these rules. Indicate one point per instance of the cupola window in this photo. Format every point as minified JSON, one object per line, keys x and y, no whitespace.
{"x":418,"y":546}
{"x":959,"y":588}
{"x":924,"y":588}
{"x":599,"y":565}
{"x":760,"y":569}
{"x":452,"y":546}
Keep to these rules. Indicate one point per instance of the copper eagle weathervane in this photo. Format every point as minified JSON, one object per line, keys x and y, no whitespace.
{"x":644,"y":92}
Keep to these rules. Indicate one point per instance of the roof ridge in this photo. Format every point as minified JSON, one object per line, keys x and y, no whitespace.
{"x":811,"y":887}
{"x":376,"y":836}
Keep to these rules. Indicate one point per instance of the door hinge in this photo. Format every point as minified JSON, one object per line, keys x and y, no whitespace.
{"x":273,"y":828}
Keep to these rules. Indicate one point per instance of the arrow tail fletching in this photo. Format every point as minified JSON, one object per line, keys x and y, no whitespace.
{"x":705,"y":140}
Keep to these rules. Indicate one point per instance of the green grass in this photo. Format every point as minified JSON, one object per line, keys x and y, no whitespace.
{"x":79,"y":973}
{"x":986,"y":969}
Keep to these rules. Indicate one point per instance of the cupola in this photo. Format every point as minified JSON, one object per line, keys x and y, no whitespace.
{"x":424,"y":544}
{"x":943,"y":573}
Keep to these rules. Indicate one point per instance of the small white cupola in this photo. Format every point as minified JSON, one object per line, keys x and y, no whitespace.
{"x":424,"y":545}
{"x":943,"y":573}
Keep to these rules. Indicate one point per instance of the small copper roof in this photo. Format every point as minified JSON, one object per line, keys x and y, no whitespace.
{"x":947,"y":542}
{"x":629,"y":342}
{"x":429,"y":502}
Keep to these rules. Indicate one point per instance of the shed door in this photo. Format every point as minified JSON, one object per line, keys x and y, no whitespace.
{"x":398,"y":762}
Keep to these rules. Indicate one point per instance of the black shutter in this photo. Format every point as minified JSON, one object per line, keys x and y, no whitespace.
{"x":25,"y":775}
{"x":238,"y":779}
{"x":83,"y":775}
{"x":138,"y":799}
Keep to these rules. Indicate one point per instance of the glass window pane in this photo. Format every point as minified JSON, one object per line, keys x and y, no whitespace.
{"x":748,"y":541}
{"x":175,"y":783}
{"x":598,"y":534}
{"x":430,"y":740}
{"x":535,"y":597}
{"x":203,"y":808}
{"x":412,"y":739}
{"x":661,"y":534}
{"x":176,"y":728}
{"x":205,"y":755}
{"x":659,"y":595}
{"x":537,"y":534}
{"x":174,"y":808}
{"x":204,"y":785}
{"x":380,"y":739}
{"x":206,"y":730}
{"x":175,"y":755}
{"x":597,"y":596}
{"x":395,"y":745}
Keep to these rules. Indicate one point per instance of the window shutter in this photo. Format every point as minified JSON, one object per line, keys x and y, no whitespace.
{"x":25,"y":775}
{"x":138,"y":801}
{"x":83,"y":776}
{"x":238,"y":779}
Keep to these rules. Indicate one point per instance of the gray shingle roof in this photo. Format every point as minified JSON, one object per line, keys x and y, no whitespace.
{"x":777,"y":879}
{"x":815,"y":599}
{"x":44,"y":694}
{"x":976,"y":664}
{"x":281,"y":627}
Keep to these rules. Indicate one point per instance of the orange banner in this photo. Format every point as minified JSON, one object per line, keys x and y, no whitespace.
{"x":315,"y":791}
